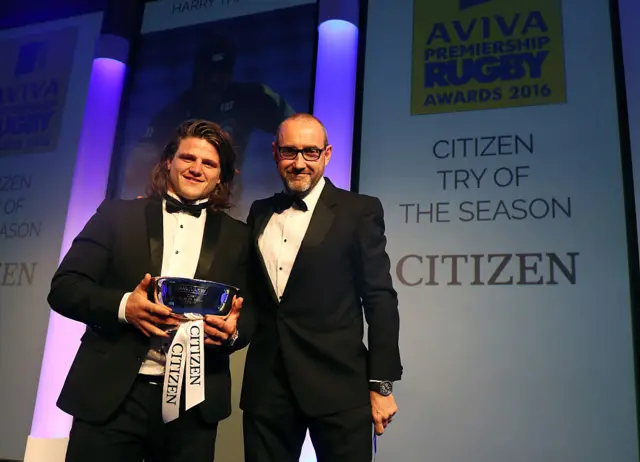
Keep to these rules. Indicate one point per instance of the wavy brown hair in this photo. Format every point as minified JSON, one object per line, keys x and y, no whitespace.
{"x":211,"y":132}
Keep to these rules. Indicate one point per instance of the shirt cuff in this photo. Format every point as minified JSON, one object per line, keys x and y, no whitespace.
{"x":123,"y":308}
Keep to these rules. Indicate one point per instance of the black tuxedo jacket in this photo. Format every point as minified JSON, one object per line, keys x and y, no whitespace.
{"x":341,"y":269}
{"x":119,"y":244}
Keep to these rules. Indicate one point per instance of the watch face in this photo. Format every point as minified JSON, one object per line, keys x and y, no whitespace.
{"x":385,"y":388}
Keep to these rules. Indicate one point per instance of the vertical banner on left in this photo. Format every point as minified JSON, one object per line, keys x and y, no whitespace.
{"x":43,"y":87}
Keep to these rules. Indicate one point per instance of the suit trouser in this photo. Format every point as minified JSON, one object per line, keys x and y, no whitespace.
{"x":276,"y":429}
{"x":136,"y":432}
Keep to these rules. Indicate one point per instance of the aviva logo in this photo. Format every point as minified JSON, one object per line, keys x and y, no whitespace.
{"x":484,"y":54}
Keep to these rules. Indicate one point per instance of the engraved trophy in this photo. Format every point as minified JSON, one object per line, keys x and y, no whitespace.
{"x":189,"y":298}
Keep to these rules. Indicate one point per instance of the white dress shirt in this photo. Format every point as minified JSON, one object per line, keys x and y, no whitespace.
{"x":280,"y":241}
{"x":182,"y":241}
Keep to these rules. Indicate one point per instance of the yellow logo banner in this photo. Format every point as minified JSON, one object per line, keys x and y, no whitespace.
{"x":484,"y":54}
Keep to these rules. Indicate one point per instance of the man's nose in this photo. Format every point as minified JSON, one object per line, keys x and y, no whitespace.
{"x":196,"y":168}
{"x":299,"y":162}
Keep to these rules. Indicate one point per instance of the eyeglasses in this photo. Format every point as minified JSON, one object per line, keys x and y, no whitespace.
{"x":311,"y":153}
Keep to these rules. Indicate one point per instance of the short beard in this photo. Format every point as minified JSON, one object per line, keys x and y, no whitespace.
{"x":295,"y":187}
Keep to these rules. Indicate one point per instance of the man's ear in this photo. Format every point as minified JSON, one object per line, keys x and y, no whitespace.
{"x":327,"y":153}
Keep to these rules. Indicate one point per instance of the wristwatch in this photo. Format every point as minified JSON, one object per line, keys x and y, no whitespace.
{"x":233,"y":338}
{"x":385,"y":388}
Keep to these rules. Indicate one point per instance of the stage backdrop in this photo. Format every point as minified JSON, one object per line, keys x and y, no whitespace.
{"x":490,"y":133}
{"x":43,"y":86}
{"x":244,"y":64}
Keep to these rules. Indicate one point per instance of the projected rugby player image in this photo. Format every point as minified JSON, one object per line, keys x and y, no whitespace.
{"x":239,"y":107}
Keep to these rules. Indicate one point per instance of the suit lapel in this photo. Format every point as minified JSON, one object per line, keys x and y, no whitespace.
{"x":322,"y":218}
{"x":260,"y":223}
{"x":153,"y":214}
{"x":320,"y":223}
{"x":210,"y":240}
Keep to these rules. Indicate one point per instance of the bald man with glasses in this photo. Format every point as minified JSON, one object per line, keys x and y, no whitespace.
{"x":321,"y":265}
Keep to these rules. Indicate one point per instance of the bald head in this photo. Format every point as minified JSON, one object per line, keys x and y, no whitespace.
{"x":301,"y":152}
{"x":302,"y":119}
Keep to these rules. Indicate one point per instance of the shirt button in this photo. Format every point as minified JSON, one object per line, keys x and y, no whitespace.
{"x":177,"y":252}
{"x":280,"y":268}
{"x":181,"y":226}
{"x":285,"y":240}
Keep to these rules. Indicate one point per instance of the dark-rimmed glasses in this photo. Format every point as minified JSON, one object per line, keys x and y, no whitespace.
{"x":309,"y":153}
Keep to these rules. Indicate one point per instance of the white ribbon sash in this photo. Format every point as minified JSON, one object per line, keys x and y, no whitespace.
{"x":185,"y":364}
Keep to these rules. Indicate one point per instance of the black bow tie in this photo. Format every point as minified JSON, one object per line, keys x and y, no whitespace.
{"x":286,"y":201}
{"x":174,"y":205}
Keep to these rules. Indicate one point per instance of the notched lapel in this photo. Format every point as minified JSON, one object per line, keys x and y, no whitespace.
{"x":209,"y":242}
{"x":260,"y":223}
{"x":318,"y":226}
{"x":153,"y":213}
{"x":322,"y":218}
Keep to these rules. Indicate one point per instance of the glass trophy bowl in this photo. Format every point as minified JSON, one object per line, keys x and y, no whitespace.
{"x":192,"y":296}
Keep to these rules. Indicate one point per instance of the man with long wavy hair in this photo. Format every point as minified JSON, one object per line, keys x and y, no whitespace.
{"x":115,"y":386}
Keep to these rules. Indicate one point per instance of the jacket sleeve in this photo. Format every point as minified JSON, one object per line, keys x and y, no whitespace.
{"x":379,"y":299}
{"x":77,"y":290}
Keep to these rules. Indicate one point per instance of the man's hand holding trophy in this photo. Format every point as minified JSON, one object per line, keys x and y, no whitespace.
{"x":201,"y":313}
